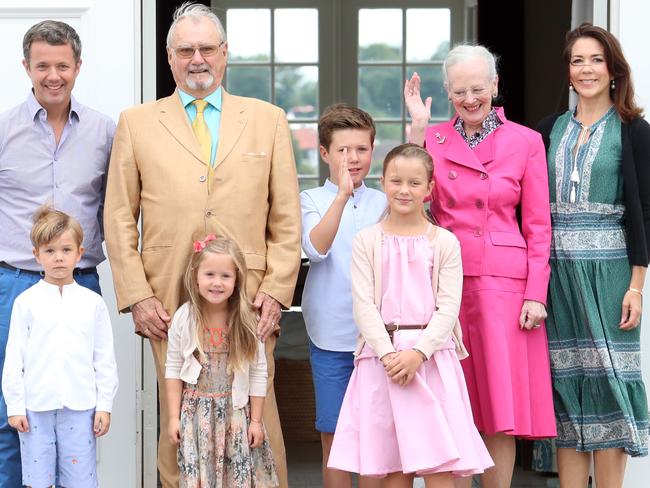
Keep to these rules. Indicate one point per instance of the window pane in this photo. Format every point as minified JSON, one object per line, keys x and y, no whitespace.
{"x":242,"y":46}
{"x":249,"y":81}
{"x":304,"y":138}
{"x":296,"y":35}
{"x":380,"y":91}
{"x":307,"y":184}
{"x":380,"y":34}
{"x":388,"y":136}
{"x":427,"y":34}
{"x":374,"y":183}
{"x":296,"y":91}
{"x":432,"y":86}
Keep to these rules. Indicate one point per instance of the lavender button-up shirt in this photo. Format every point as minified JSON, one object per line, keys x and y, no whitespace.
{"x":35,"y":171}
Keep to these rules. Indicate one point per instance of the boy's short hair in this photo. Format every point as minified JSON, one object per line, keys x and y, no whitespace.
{"x":50,"y":223}
{"x":343,"y":116}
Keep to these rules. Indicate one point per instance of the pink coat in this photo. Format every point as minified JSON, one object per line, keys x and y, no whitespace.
{"x":478,"y":194}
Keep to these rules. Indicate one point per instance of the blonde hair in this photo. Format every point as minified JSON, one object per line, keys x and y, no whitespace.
{"x":410,"y":150}
{"x":242,"y":322}
{"x":50,"y":223}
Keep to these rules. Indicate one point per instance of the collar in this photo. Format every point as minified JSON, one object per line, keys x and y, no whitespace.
{"x":603,"y":118}
{"x":50,"y":286}
{"x":495,"y":114}
{"x":34,"y":107}
{"x":214,"y":98}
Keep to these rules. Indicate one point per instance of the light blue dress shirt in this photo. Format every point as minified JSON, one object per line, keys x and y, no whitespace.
{"x":211,"y":114}
{"x":327,"y":296}
{"x":34,"y":170}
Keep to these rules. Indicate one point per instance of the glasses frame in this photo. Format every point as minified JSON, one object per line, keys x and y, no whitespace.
{"x":199,"y":49}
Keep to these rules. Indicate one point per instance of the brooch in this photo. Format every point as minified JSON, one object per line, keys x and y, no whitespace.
{"x":440,"y":140}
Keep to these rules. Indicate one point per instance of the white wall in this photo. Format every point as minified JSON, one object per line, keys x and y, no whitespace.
{"x":632,"y":30}
{"x":108,"y":82}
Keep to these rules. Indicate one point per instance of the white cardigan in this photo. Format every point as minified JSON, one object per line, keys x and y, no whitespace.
{"x":446,"y":279}
{"x":182,"y":364}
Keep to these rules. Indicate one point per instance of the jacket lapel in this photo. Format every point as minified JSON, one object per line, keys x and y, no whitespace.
{"x":459,"y":152}
{"x":233,"y":121}
{"x":173,"y":117}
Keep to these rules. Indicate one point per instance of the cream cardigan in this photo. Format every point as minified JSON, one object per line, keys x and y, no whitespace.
{"x":182,"y":364}
{"x":447,"y":282}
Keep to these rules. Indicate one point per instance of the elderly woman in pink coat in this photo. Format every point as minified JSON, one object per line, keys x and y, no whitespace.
{"x":491,"y":191}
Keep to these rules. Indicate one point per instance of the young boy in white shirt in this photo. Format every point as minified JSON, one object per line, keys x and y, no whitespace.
{"x":60,"y":375}
{"x":331,"y":215}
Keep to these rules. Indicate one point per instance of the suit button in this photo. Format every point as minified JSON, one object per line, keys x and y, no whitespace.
{"x":451,"y":202}
{"x":483,"y":176}
{"x":202,"y":178}
{"x":452,"y":175}
{"x":479,"y":203}
{"x":478,"y":232}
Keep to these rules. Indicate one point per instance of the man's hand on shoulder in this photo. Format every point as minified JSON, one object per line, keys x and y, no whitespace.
{"x":150,"y":318}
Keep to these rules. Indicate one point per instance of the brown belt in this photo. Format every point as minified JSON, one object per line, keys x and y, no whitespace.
{"x":393,"y":327}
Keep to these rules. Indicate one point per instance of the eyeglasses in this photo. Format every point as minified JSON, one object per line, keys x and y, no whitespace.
{"x":206,"y":51}
{"x":476,"y":92}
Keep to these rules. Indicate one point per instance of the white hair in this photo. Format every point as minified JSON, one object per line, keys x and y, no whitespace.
{"x":194,"y":11}
{"x":463,"y":53}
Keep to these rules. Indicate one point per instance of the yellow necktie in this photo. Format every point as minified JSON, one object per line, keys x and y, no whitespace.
{"x":203,"y":136}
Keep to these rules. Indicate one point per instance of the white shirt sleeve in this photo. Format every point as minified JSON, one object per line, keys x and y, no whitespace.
{"x":310,"y":219}
{"x":13,"y":385}
{"x":106,"y":378}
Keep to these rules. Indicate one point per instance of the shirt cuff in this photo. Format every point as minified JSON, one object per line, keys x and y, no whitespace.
{"x":311,"y":252}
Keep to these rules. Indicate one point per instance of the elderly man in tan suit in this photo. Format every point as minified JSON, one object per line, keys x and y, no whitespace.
{"x":201,"y":161}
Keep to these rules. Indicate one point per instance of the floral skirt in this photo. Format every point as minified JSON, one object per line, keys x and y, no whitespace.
{"x":214,"y":451}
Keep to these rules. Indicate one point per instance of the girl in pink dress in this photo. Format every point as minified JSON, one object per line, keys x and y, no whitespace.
{"x":406,"y":411}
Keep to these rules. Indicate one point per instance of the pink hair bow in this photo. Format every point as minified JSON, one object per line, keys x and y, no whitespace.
{"x":201,"y":244}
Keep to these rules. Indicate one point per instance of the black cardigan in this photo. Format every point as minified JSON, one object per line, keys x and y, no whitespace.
{"x":635,"y":157}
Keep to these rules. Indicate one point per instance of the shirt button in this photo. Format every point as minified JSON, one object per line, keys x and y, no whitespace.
{"x":208,"y":213}
{"x":479,"y":203}
{"x":452,"y":175}
{"x":202,"y":178}
{"x":483,"y":176}
{"x":451,"y":202}
{"x":478,"y":232}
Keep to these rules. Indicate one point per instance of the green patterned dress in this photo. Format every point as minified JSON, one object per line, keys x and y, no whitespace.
{"x":599,"y":396}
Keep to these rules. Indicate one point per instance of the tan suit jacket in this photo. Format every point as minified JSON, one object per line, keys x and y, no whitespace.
{"x":156,"y":172}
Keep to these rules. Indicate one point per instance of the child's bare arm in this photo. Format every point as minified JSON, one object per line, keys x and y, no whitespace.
{"x":174,"y":392}
{"x":255,"y":430}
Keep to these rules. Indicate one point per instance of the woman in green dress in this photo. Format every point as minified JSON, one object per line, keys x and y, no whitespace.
{"x":599,"y":177}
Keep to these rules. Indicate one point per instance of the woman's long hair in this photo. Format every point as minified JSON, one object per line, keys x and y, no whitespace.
{"x":242,"y":322}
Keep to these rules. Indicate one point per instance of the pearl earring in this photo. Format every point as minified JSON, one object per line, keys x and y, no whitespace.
{"x":612,"y":84}
{"x":571,"y":87}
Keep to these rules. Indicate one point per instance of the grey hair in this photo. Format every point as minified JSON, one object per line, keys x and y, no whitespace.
{"x":55,"y":33}
{"x":467,"y":52}
{"x":194,"y":11}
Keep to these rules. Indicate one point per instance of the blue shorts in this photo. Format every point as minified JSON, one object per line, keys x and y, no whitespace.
{"x":59,"y":449}
{"x":331,"y":371}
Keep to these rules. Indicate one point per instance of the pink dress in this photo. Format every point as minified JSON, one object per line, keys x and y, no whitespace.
{"x":425,"y":427}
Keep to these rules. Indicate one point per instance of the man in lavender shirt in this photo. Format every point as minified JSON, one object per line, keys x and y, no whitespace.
{"x":52,"y":150}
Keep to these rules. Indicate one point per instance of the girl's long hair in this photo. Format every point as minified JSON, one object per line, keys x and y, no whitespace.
{"x":242,"y":322}
{"x":410,"y":150}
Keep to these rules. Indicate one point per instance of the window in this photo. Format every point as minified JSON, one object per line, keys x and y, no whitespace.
{"x":304,"y":55}
{"x":279,"y":64}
